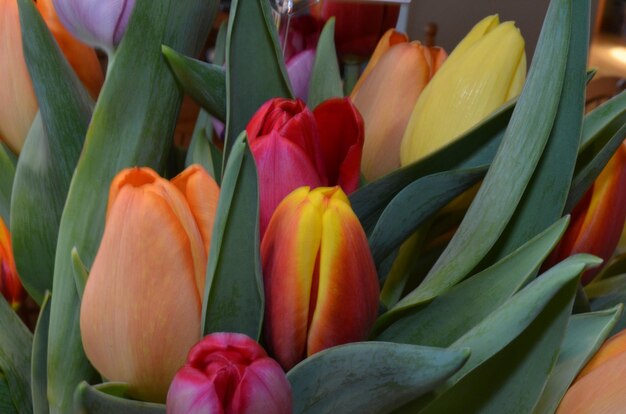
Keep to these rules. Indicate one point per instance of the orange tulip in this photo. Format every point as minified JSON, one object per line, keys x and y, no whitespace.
{"x":598,"y":219}
{"x":321,"y":287}
{"x":141,"y":307}
{"x":18,"y":104}
{"x":10,"y":285}
{"x":599,"y":387}
{"x":386,"y":94}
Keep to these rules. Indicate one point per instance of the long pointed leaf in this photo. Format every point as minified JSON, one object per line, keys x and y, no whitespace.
{"x":7,"y":174}
{"x":325,"y":77}
{"x":39,"y":364}
{"x":95,"y":400}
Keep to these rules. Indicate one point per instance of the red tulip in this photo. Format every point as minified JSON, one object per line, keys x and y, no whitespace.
{"x":228,"y":373}
{"x":293,"y":147}
{"x":10,"y":284}
{"x":358,"y":26}
{"x":321,"y":287}
{"x":598,"y":219}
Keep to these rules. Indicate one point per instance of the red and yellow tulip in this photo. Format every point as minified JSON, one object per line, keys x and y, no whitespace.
{"x":18,"y":104}
{"x":385,"y":95}
{"x":598,"y":219}
{"x":141,"y":307}
{"x":599,"y":387}
{"x":321,"y":287}
{"x":10,"y":285}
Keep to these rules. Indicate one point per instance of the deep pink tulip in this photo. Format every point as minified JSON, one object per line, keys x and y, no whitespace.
{"x":295,"y":147}
{"x":228,"y":373}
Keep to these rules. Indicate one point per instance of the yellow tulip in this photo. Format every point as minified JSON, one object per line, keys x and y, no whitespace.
{"x":140,"y":312}
{"x":386,"y":94}
{"x":484,"y":71}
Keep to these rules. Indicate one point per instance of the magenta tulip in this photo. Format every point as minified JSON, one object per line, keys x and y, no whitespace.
{"x":229,"y":373}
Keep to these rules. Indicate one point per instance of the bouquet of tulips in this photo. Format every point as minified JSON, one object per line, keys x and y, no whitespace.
{"x":433,"y":242}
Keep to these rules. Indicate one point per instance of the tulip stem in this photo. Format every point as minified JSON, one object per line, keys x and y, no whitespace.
{"x":351,"y":71}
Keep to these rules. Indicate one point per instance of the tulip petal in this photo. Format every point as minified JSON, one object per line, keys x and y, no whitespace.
{"x":478,"y":32}
{"x":386,"y":100}
{"x":17,"y":95}
{"x":202,"y":194}
{"x":191,"y":393}
{"x":144,"y":263}
{"x":347,"y":279}
{"x":263,"y":389}
{"x":299,"y":69}
{"x":283,"y":167}
{"x":289,"y":253}
{"x":341,"y":136}
{"x":613,"y":347}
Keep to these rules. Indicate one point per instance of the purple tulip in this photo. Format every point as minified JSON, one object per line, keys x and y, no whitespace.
{"x":100,"y":23}
{"x":229,"y":373}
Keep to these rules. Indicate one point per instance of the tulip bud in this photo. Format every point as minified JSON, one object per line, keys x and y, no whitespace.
{"x":229,"y":373}
{"x":98,"y":23}
{"x":598,"y":219}
{"x":293,"y":146}
{"x":484,"y":71}
{"x":321,"y":287}
{"x":599,"y":387}
{"x":10,"y":284}
{"x":386,"y":94}
{"x":140,"y":312}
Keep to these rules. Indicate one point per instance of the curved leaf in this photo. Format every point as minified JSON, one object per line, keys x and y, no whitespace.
{"x":7,"y":174}
{"x":369,"y":377}
{"x":325,"y":76}
{"x":39,"y":367}
{"x":101,"y":400}
{"x":202,"y":151}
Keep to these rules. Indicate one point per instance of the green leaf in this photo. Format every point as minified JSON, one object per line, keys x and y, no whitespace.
{"x":204,"y":82}
{"x":472,"y":300}
{"x":233,"y":297}
{"x":255,"y":70}
{"x":584,"y":336}
{"x":616,"y":266}
{"x":201,"y":149}
{"x":369,"y":377}
{"x":604,"y":287}
{"x":476,"y":147}
{"x":414,"y":204}
{"x":546,"y":193}
{"x":50,"y":153}
{"x":81,"y":274}
{"x":6,"y":404}
{"x":220,"y":44}
{"x":16,"y":343}
{"x":515,"y":347}
{"x":39,"y":366}
{"x":132,"y":124}
{"x":610,"y":112}
{"x":7,"y":173}
{"x":513,"y":165}
{"x":102,"y":399}
{"x":325,"y":76}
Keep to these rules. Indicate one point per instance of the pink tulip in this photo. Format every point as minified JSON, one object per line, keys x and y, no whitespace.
{"x":229,"y":373}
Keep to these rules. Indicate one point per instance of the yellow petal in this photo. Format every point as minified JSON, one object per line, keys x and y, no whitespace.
{"x":479,"y":31}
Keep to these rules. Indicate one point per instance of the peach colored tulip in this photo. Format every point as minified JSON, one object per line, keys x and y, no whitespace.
{"x":386,"y":94}
{"x":599,"y":388}
{"x":141,"y":307}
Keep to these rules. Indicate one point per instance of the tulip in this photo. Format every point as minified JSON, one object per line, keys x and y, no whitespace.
{"x":98,"y":23}
{"x":293,"y":147}
{"x":484,"y":71}
{"x":357,"y":26}
{"x":598,"y":219}
{"x":10,"y":285}
{"x":386,"y":94}
{"x":599,"y":387}
{"x":321,"y":287}
{"x":141,"y":307}
{"x":18,"y":104}
{"x":229,"y":373}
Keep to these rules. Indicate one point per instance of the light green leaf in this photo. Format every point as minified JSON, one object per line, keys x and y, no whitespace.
{"x":204,"y":82}
{"x":233,"y":298}
{"x":584,"y":336}
{"x":7,"y":174}
{"x":202,"y":151}
{"x":132,"y":124}
{"x":16,"y":343}
{"x":49,"y":156}
{"x":220,"y":44}
{"x":39,"y":365}
{"x":369,"y":377}
{"x":506,"y":180}
{"x":615,"y":284}
{"x":255,"y":67}
{"x":454,"y":313}
{"x":81,"y":274}
{"x":104,"y":399}
{"x":325,"y":76}
{"x":609,"y":113}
